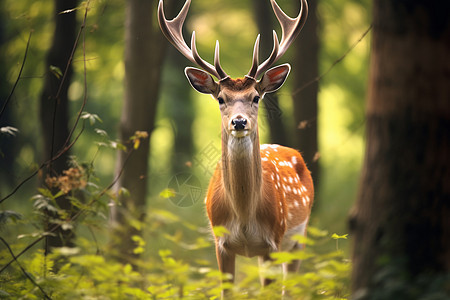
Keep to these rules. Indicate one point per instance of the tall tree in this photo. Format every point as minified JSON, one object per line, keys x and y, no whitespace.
{"x":182,"y":112}
{"x":144,"y":53}
{"x":306,"y":67}
{"x":272,"y":113}
{"x":401,"y":220}
{"x":54,"y":111}
{"x":7,"y":147}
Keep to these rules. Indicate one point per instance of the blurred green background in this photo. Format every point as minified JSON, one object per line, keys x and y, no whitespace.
{"x":341,"y":103}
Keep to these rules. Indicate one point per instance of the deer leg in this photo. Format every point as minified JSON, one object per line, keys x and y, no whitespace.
{"x":261,"y":260}
{"x":226,"y":264}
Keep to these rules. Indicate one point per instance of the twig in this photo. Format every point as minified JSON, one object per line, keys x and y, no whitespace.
{"x":18,"y":76}
{"x":318,"y":78}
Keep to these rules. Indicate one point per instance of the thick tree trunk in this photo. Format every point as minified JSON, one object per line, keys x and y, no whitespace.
{"x":54,"y":111}
{"x":401,"y":221}
{"x":144,"y":52}
{"x":306,"y":67}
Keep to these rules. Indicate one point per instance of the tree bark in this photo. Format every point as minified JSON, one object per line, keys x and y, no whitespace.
{"x":306,"y":67}
{"x":182,"y":112}
{"x":54,"y":111}
{"x":144,"y":53}
{"x":7,"y":144}
{"x":273,"y":120}
{"x":401,"y":220}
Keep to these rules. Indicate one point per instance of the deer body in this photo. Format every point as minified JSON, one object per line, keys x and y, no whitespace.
{"x":265,"y":209}
{"x":262,"y":194}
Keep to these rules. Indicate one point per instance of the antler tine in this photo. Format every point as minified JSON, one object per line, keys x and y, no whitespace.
{"x":199,"y":61}
{"x":255,"y":60}
{"x":217,"y":65}
{"x":290,"y":28}
{"x":173,"y":31}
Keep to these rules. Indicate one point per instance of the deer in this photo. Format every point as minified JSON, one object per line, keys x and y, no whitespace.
{"x":262,"y":194}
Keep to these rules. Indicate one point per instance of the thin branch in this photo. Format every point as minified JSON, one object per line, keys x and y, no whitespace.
{"x":27,"y":275}
{"x":318,"y":78}
{"x":18,"y":76}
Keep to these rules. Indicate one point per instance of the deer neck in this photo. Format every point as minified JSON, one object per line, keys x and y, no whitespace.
{"x":242,"y":173}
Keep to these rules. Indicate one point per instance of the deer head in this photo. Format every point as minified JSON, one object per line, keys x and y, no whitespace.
{"x":238,"y":98}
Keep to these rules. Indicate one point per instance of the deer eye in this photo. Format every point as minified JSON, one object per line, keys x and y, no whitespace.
{"x":221,"y":101}
{"x":256,"y":99}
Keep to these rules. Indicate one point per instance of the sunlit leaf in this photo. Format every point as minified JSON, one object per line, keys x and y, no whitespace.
{"x":56,"y":71}
{"x":101,"y":132}
{"x":316,"y":232}
{"x":136,"y":144}
{"x":220,"y":231}
{"x":8,"y":130}
{"x":336,"y":236}
{"x":167,"y":193}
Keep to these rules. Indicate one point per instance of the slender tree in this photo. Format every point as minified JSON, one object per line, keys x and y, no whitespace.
{"x":7,"y":147}
{"x":273,"y":116}
{"x":306,"y":67}
{"x":54,"y":110}
{"x":401,"y":220}
{"x":144,"y":53}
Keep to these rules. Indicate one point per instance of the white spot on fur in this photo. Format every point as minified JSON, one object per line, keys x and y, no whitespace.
{"x":294,"y":160}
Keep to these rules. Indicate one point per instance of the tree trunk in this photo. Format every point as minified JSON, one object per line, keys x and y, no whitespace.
{"x":306,"y":67}
{"x":182,"y":112}
{"x":401,"y":221}
{"x":273,"y":120}
{"x":7,"y":144}
{"x":54,"y":111}
{"x":144,"y":52}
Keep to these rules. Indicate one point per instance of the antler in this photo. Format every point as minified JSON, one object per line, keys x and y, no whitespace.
{"x":173,"y":31}
{"x":290,"y":28}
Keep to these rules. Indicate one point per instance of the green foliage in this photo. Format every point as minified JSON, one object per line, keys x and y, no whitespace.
{"x":177,"y":255}
{"x":88,"y":271}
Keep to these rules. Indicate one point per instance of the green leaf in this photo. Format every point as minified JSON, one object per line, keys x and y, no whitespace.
{"x":167,"y":193}
{"x":316,"y":232}
{"x":337,"y":237}
{"x":101,"y":132}
{"x":56,"y":71}
{"x":6,"y":215}
{"x":91,"y":117}
{"x":220,"y":231}
{"x":301,"y":239}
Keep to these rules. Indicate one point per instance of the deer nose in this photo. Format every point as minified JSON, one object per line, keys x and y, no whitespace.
{"x":239,"y":123}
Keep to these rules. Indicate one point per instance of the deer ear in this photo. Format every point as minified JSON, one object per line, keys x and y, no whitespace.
{"x":274,"y":78}
{"x":201,"y":80}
